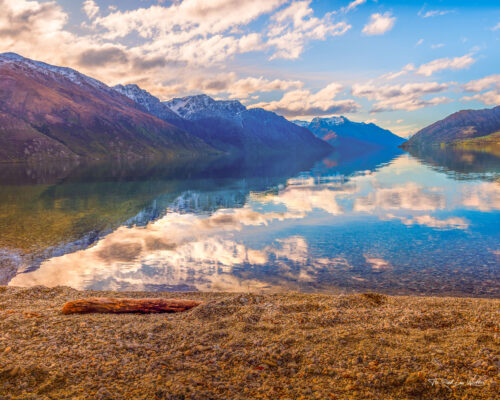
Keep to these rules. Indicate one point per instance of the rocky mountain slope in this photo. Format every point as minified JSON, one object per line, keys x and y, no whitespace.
{"x":54,"y":112}
{"x":351,"y":136}
{"x":462,"y":125}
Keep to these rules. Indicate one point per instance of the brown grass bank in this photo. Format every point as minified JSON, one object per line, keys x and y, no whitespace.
{"x":276,"y":346}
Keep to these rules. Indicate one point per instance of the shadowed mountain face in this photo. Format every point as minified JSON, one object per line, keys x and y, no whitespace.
{"x":58,"y":113}
{"x":352,"y":137}
{"x":462,"y":125}
{"x":228,"y":125}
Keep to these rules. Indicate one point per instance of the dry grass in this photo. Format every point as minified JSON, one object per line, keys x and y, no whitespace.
{"x":277,"y":346}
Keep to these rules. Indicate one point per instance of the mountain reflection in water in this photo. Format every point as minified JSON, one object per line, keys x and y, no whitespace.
{"x":387,"y":222}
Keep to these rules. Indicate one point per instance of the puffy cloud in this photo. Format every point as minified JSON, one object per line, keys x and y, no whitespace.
{"x":169,"y":59}
{"x":433,"y":66}
{"x":23,"y":21}
{"x":379,"y":24}
{"x":295,"y":25}
{"x":242,"y":88}
{"x":90,"y":8}
{"x":239,"y":88}
{"x":445,"y":63}
{"x":490,"y":97}
{"x":407,"y":97}
{"x":182,"y":21}
{"x":102,"y":56}
{"x":479,"y":85}
{"x":304,"y":103}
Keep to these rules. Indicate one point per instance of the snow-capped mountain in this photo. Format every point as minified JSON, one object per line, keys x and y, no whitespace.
{"x":303,"y":124}
{"x":228,"y":125}
{"x":50,"y":112}
{"x":252,"y":131}
{"x":203,"y":106}
{"x":147,"y":101}
{"x":330,"y":121}
{"x":53,"y":71}
{"x":341,"y":132}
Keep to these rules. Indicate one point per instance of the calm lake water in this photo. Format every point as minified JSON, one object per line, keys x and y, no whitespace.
{"x":388,"y":222}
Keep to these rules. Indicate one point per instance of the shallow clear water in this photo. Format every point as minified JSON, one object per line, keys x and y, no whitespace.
{"x":388,"y":222}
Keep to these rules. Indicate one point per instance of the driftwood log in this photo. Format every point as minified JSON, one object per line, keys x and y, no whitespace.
{"x":119,"y":306}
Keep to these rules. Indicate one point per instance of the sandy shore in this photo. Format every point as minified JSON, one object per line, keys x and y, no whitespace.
{"x":281,"y":346}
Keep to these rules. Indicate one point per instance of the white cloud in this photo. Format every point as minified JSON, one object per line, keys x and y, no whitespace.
{"x":431,"y":67}
{"x":408,"y":97}
{"x":479,"y":85}
{"x":239,"y":88}
{"x":303,"y":103}
{"x":352,"y":5}
{"x":246,"y":86}
{"x":379,"y":24}
{"x":491,"y":98}
{"x":437,"y":46}
{"x":393,"y":75}
{"x":90,"y":8}
{"x":445,"y":63}
{"x":169,"y":58}
{"x":496,"y":27}
{"x":295,"y":25}
{"x":433,"y":13}
{"x":420,"y":41}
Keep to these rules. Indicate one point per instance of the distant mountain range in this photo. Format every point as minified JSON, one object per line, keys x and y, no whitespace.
{"x":228,"y":125}
{"x":49,"y":112}
{"x":352,"y":137}
{"x":459,"y":127}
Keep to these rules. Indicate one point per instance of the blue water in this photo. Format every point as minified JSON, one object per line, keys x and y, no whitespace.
{"x":391,"y":222}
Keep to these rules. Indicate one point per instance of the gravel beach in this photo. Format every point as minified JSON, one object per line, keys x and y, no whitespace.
{"x":250,"y":346}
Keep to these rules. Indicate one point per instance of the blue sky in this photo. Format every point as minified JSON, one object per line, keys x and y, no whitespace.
{"x":397,"y":64}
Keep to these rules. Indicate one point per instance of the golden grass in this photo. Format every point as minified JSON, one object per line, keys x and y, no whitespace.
{"x":279,"y":346}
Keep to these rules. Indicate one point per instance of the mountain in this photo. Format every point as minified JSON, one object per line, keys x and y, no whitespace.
{"x":253,"y":131}
{"x":462,"y":125}
{"x":352,"y":137}
{"x":55,"y":112}
{"x":228,"y":125}
{"x":148,"y":102}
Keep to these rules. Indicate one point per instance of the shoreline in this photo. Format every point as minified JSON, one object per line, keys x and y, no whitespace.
{"x":250,"y":346}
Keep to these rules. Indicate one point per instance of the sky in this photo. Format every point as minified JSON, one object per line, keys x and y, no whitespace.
{"x":399,"y":64}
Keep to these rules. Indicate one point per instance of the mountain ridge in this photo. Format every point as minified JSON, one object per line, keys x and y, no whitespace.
{"x":58,"y":113}
{"x":461,"y":125}
{"x":229,"y":126}
{"x":359,"y":137}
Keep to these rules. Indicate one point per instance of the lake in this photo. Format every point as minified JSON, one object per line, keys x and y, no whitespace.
{"x":391,"y":222}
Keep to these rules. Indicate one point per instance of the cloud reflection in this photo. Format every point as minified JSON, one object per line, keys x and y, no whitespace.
{"x":201,"y":251}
